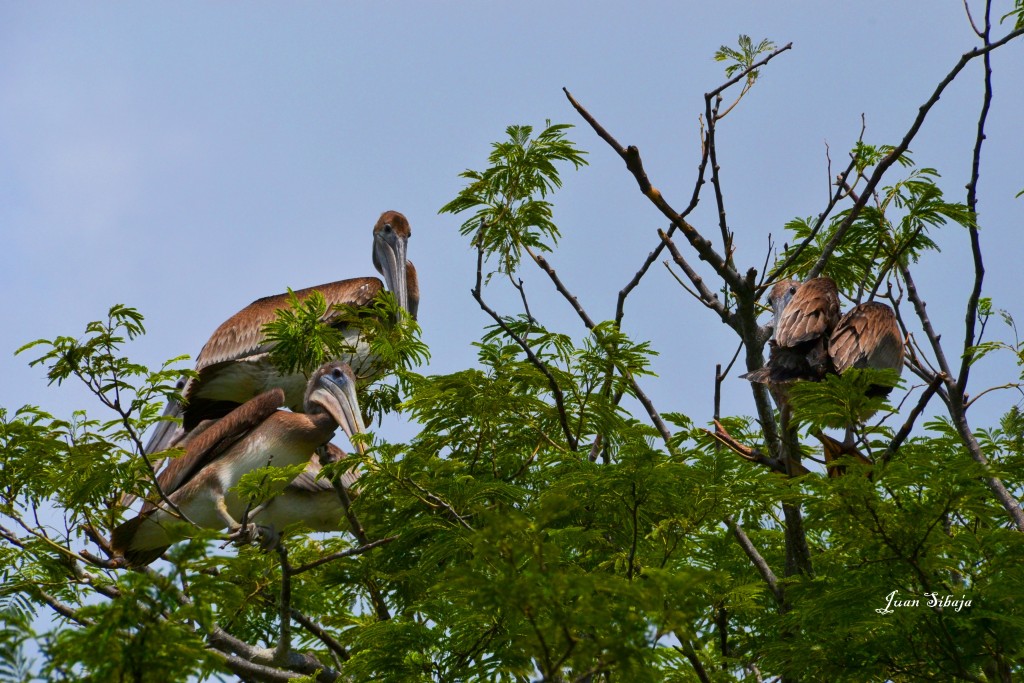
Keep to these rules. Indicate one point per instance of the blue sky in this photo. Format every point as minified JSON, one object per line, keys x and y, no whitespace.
{"x":187,"y":158}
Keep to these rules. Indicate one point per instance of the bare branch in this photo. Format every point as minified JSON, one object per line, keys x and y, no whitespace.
{"x":705,"y":295}
{"x":971,"y":315}
{"x":686,"y":647}
{"x":648,"y":405}
{"x":631,"y":156}
{"x":322,"y":635}
{"x":956,"y":407}
{"x":711,"y":111}
{"x":819,"y":223}
{"x":743,"y":74}
{"x":264,"y":657}
{"x":248,"y":671}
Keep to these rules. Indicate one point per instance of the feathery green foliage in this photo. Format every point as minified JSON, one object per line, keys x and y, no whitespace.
{"x":536,"y":527}
{"x":885,"y":234}
{"x":744,"y":57}
{"x":508,"y":199}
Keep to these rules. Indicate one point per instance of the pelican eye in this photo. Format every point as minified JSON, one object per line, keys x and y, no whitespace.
{"x":387,"y":227}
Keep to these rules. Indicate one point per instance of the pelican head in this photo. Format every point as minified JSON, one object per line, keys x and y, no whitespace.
{"x":390,"y":237}
{"x":780,"y":295}
{"x":332,"y":390}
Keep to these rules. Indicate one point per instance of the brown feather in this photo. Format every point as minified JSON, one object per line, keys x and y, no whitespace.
{"x":121,"y":539}
{"x":868,"y":336}
{"x":241,"y":335}
{"x":811,"y":313}
{"x":308,"y":481}
{"x":214,"y":439}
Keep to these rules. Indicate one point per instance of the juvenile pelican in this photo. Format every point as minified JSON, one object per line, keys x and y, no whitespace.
{"x":868,"y":336}
{"x":805,"y":315}
{"x":233,"y":365}
{"x":253,"y":435}
{"x":310,"y":501}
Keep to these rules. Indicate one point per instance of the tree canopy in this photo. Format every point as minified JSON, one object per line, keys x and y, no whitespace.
{"x":549,"y":521}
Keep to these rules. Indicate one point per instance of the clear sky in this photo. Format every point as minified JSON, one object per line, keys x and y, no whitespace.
{"x":186,"y":158}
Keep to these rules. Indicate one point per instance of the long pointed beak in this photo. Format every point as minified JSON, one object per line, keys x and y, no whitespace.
{"x":391,"y":254}
{"x":339,"y":399}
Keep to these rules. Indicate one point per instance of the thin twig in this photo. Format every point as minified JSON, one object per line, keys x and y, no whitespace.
{"x":435,"y":501}
{"x":971,"y":315}
{"x":631,"y":156}
{"x":648,"y":405}
{"x":904,"y":431}
{"x":956,"y":407}
{"x":556,"y":391}
{"x":743,"y":74}
{"x":704,"y":294}
{"x":711,"y":111}
{"x":351,"y":552}
{"x":903,"y":146}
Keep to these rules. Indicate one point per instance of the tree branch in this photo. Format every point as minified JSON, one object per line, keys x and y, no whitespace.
{"x":956,"y":407}
{"x":971,"y":315}
{"x":322,"y":635}
{"x":759,"y":562}
{"x":890,"y":159}
{"x":351,"y":552}
{"x":631,"y":156}
{"x":556,"y":391}
{"x":904,"y":431}
{"x":284,"y":638}
{"x":706,"y":296}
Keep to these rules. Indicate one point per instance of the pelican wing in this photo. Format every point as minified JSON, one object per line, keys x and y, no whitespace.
{"x":868,"y":336}
{"x":241,"y":335}
{"x":811,"y":313}
{"x":308,"y":481}
{"x":205,"y":446}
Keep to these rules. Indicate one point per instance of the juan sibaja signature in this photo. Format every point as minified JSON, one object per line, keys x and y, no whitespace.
{"x":930,"y":600}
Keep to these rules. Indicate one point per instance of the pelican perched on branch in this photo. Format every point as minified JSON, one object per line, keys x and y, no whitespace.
{"x":811,"y":341}
{"x":311,"y":500}
{"x":234,"y":366}
{"x":805,"y":315}
{"x":868,"y":336}
{"x":253,"y":435}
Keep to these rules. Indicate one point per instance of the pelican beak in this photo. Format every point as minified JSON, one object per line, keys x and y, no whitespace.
{"x":336,"y":392}
{"x":389,"y":255}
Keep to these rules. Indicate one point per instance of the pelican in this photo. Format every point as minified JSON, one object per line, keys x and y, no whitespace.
{"x":251,"y":436}
{"x":310,"y":500}
{"x":868,"y":336}
{"x":805,"y":315}
{"x":233,"y":366}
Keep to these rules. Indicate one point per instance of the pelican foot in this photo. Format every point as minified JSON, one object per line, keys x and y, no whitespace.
{"x":270,"y":538}
{"x":266,"y":537}
{"x":244,"y":534}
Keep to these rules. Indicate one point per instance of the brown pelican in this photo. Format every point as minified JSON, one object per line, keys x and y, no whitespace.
{"x":233,"y":365}
{"x":804,"y":317}
{"x":868,"y":336}
{"x":251,"y":436}
{"x":309,"y":500}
